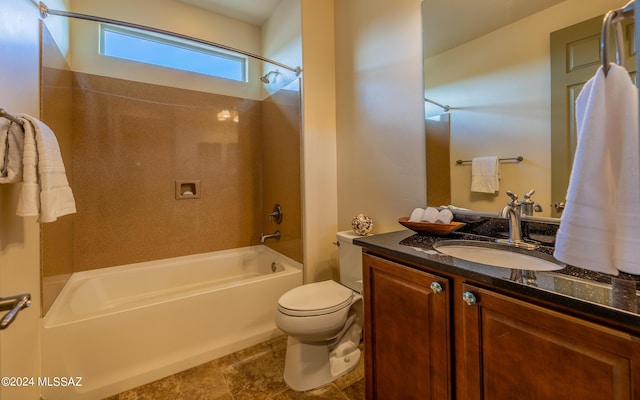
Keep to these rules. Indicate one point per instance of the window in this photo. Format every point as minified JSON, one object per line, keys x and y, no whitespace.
{"x":135,"y":45}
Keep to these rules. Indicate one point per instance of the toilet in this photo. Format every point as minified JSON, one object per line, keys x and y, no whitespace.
{"x":324,"y":323}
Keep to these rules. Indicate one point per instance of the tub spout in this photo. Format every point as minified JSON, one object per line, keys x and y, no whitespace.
{"x":264,"y":237}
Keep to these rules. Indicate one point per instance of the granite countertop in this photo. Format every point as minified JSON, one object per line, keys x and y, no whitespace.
{"x":605,"y":297}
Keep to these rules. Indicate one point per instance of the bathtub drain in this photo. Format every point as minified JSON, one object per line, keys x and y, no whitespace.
{"x":273,"y":267}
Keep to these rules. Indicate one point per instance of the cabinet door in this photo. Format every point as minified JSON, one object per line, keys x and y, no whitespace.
{"x":514,"y":350}
{"x":407,"y":348}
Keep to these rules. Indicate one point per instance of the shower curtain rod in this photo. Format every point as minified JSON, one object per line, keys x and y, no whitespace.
{"x":46,"y":11}
{"x":446,"y":108}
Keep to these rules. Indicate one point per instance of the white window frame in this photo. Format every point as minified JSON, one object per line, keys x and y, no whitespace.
{"x":178,"y":43}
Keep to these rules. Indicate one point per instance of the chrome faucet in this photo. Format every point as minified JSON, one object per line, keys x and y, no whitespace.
{"x":512,"y":211}
{"x":263,"y":237}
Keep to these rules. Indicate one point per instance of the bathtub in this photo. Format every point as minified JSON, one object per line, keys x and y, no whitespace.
{"x":116,"y":328}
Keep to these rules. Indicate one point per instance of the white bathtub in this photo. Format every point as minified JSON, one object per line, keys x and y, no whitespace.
{"x":117,"y":328}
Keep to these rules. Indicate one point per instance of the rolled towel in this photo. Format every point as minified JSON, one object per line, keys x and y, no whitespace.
{"x":430,"y":215}
{"x":444,"y":217}
{"x":416,"y":215}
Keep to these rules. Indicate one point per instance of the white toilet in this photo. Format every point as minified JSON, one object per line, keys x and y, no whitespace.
{"x":324,"y":323}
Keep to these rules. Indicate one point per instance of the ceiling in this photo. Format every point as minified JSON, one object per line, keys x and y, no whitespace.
{"x":446,"y":23}
{"x":449,"y":23}
{"x":255,"y":12}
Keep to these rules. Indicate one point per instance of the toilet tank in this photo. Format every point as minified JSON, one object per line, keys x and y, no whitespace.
{"x":350,"y":260}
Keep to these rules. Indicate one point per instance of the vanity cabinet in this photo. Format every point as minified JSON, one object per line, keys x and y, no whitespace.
{"x":513,"y":349}
{"x":470,"y":342}
{"x":407,"y":335}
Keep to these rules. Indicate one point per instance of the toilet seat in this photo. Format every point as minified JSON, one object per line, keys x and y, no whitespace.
{"x":315,"y":299}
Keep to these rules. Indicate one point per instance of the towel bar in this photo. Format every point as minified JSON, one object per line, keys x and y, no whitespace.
{"x":516,"y":159}
{"x":5,"y":114}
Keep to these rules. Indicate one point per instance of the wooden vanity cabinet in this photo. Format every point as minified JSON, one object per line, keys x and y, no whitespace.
{"x":420,"y":344}
{"x":407,"y":350}
{"x":515,"y":350}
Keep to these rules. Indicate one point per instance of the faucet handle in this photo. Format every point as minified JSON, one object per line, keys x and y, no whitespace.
{"x":514,"y":198}
{"x":527,"y":196}
{"x":276,"y":214}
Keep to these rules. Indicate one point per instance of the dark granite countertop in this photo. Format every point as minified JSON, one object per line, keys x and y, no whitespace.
{"x":604,"y":297}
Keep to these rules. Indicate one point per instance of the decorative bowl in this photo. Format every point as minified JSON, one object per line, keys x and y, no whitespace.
{"x":431,"y":228}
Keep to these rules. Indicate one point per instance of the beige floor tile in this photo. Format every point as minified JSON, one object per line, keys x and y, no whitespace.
{"x":254,"y":373}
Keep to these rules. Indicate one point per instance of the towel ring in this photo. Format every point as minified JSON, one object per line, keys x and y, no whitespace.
{"x":614,"y":17}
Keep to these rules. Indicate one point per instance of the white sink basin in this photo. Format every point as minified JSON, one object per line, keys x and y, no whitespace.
{"x":498,"y":255}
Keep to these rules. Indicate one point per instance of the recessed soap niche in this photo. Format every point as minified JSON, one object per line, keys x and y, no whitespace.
{"x":187,"y":189}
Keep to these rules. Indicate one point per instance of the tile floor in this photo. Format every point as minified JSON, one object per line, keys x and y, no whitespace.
{"x":254,"y":373}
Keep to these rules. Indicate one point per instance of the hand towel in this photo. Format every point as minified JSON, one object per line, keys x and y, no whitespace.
{"x":485,"y":174}
{"x":600,"y":226}
{"x":11,"y":149}
{"x":45,"y":189}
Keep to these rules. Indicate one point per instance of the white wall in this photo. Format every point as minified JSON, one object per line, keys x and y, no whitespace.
{"x":19,"y":237}
{"x":500,"y":83}
{"x":380,"y":113}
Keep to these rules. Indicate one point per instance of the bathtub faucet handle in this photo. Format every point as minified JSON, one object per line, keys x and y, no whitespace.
{"x":276,"y":214}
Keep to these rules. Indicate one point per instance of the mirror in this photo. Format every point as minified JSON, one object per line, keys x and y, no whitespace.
{"x":491,"y":64}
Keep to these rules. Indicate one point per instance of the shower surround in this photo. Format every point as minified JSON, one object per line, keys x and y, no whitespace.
{"x":130,"y":142}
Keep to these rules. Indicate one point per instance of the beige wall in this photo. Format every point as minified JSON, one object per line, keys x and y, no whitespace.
{"x":19,"y":241}
{"x":282,"y":41}
{"x":363,"y":134}
{"x":161,"y":14}
{"x":319,"y":141}
{"x":501,"y":84}
{"x":380,"y":115}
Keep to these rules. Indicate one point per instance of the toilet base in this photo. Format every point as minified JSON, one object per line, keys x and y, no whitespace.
{"x":309,"y":365}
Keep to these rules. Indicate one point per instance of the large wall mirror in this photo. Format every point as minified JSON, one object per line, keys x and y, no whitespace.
{"x":491,"y":63}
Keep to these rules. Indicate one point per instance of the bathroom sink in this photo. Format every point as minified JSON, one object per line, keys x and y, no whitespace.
{"x":498,"y":255}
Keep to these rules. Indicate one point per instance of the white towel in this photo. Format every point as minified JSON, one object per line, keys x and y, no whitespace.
{"x":430,"y":215}
{"x":45,"y":189}
{"x":445,"y":216}
{"x":600,"y":225}
{"x":11,"y":148}
{"x":416,"y":215}
{"x":485,"y":174}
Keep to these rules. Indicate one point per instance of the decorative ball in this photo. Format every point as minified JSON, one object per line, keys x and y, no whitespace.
{"x":362,"y":224}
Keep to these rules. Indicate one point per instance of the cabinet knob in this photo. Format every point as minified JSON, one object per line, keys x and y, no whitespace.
{"x":469,"y":298}
{"x":436,"y":287}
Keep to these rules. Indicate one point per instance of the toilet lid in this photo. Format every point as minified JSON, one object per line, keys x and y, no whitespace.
{"x":315,"y":299}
